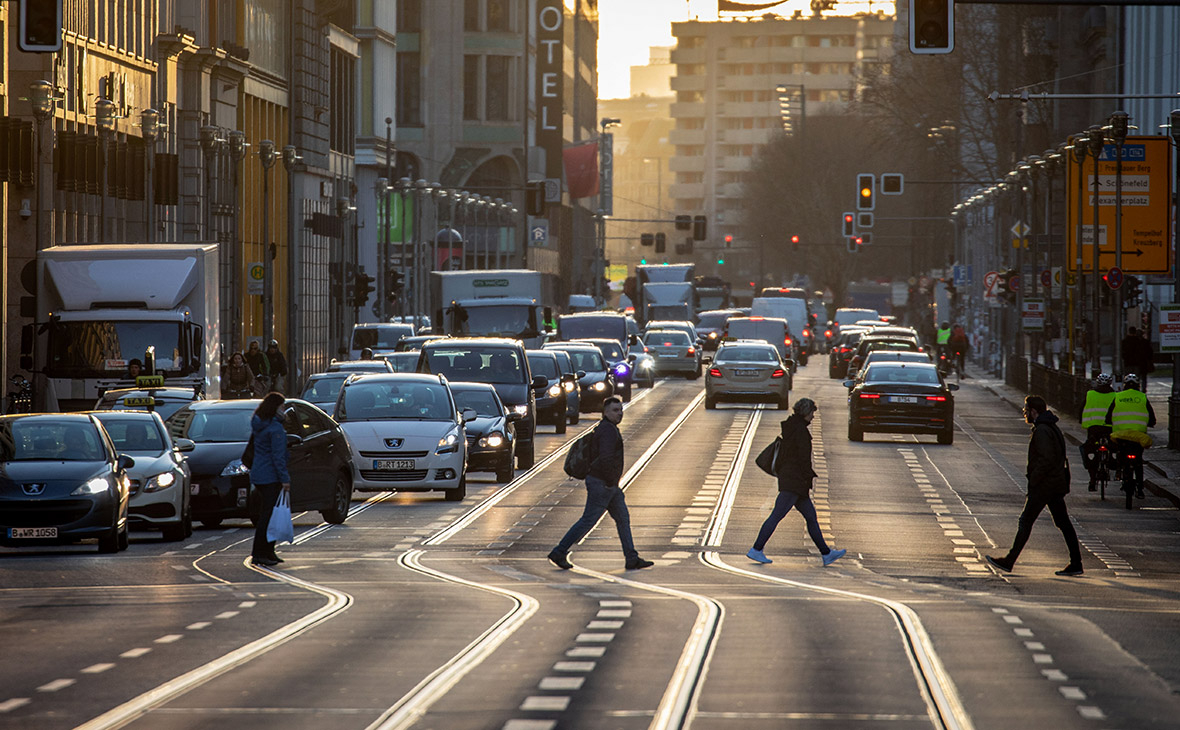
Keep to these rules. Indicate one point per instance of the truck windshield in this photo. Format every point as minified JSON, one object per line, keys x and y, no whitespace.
{"x":593,"y":327}
{"x":103,"y":348}
{"x":516,"y":321}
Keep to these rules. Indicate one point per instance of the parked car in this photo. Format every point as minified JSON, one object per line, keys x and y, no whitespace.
{"x":598,"y":380}
{"x":898,"y":397}
{"x":491,"y":435}
{"x":164,"y":401}
{"x":321,"y":389}
{"x":674,"y":353}
{"x":570,"y":383}
{"x":747,"y":370}
{"x":160,"y":478}
{"x":549,"y":398}
{"x":61,"y":482}
{"x":405,"y":434}
{"x":318,"y":459}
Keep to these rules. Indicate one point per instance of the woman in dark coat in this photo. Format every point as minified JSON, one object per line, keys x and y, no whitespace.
{"x":268,"y":473}
{"x":793,"y":468}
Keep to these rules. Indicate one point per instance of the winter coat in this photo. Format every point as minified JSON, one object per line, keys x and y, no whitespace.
{"x":794,"y":461}
{"x":270,"y":451}
{"x":608,"y":451}
{"x":277,"y":361}
{"x":1048,"y":466}
{"x":239,"y":377}
{"x":258,"y":362}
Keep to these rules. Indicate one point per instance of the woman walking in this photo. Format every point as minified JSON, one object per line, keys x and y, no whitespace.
{"x":794,"y":472}
{"x":268,"y":473}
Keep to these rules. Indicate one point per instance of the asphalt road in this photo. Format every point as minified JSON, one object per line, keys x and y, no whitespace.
{"x":427,"y":614}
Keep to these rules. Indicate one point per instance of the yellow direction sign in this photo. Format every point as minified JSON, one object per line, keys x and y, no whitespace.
{"x":1146,"y":204}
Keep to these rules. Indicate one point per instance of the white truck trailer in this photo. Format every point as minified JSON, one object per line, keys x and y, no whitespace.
{"x":491,"y":303}
{"x":100,"y":306}
{"x":652,"y":292}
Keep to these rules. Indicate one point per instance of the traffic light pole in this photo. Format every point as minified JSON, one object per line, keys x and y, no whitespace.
{"x":1174,"y":397}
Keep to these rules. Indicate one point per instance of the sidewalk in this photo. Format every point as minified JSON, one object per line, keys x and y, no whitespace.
{"x":1161,"y":474}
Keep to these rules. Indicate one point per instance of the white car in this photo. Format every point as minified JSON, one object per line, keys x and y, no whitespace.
{"x":405,"y":434}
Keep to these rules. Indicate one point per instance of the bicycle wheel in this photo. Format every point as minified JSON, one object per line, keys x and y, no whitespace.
{"x":1102,"y":477}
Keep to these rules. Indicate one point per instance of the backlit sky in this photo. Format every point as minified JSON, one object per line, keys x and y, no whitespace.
{"x":627,"y":28}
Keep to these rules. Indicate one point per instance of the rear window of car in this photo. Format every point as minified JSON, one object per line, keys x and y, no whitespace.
{"x":890,"y":373}
{"x":904,"y":345}
{"x":211,"y":425}
{"x":543,"y":364}
{"x":477,"y":364}
{"x":713,"y":320}
{"x":588,"y":360}
{"x":666,"y":337}
{"x":134,"y":435}
{"x":746,"y":354}
{"x":610,"y":350}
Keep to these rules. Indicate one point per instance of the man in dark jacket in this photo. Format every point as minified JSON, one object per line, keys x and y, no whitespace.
{"x":1048,"y":483}
{"x":278,"y":365}
{"x":602,"y":491}
{"x":794,"y":473}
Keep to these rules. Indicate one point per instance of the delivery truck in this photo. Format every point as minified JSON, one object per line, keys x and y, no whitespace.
{"x":513,"y":303}
{"x":652,"y":292}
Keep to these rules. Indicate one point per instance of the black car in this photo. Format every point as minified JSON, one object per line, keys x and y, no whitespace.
{"x":870,"y":342}
{"x":550,"y":398}
{"x":598,"y":381}
{"x":622,"y":365}
{"x":491,"y":436}
{"x":899,"y":397}
{"x":569,"y":382}
{"x":501,"y":363}
{"x":842,"y":350}
{"x":61,"y":481}
{"x":318,"y":459}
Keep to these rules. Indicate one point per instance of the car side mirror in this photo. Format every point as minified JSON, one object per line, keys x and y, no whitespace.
{"x":848,"y":383}
{"x":631,"y":358}
{"x":952,"y":386}
{"x":568,"y":377}
{"x":126,"y":462}
{"x":581,"y":374}
{"x":540,"y":381}
{"x":468,"y":415}
{"x":293,"y":440}
{"x":515,"y":417}
{"x":632,"y":339}
{"x":185,"y":445}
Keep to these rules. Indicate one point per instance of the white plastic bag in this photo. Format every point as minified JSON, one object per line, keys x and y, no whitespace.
{"x":280,"y":528}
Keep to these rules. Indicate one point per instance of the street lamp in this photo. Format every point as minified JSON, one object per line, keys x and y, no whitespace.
{"x":1096,"y":140}
{"x":1174,"y":396}
{"x":210,"y":143}
{"x":104,"y":118}
{"x":291,"y":158}
{"x":149,"y":125}
{"x":381,"y":194}
{"x":237,"y":152}
{"x":266,"y":156}
{"x":42,"y":100}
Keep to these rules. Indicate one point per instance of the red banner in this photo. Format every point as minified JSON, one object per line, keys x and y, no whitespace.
{"x":581,"y":169}
{"x":728,"y":6}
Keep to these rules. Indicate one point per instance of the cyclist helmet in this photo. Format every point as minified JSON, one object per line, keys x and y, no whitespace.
{"x":1104,"y":379}
{"x":1131,"y":379}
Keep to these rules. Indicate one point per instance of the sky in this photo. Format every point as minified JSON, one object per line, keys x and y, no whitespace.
{"x":627,"y":28}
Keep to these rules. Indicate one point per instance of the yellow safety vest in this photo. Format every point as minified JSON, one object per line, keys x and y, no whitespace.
{"x":1097,"y":404}
{"x":1130,"y":412}
{"x":944,"y":336}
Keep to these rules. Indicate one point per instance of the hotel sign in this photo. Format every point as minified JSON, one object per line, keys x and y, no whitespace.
{"x":550,"y":22}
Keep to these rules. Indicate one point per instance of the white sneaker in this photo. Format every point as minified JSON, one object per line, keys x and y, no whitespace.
{"x":833,"y":556}
{"x":758,"y":556}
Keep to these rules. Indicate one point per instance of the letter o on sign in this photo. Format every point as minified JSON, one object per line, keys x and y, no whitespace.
{"x":550,"y":18}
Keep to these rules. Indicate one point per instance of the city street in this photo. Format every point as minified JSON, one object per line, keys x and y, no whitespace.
{"x":429,"y":614}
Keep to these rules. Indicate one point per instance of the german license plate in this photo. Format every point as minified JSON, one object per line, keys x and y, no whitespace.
{"x":392,"y":464}
{"x":903,"y":399}
{"x":25,"y":533}
{"x":745,"y":373}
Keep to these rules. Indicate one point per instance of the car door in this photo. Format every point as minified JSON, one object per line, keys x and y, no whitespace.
{"x":307,"y":489}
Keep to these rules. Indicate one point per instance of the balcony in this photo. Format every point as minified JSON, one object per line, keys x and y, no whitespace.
{"x":687,"y":164}
{"x":689,"y":55}
{"x":680,"y":191}
{"x":689,"y":83}
{"x":686,"y":136}
{"x":687,"y":109}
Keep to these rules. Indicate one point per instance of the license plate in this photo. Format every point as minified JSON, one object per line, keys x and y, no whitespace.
{"x":392,"y":464}
{"x":903,"y":399}
{"x":745,"y":373}
{"x":194,"y":488}
{"x":24,"y":533}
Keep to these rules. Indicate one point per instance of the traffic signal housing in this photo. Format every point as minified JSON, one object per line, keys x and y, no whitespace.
{"x":1133,"y":288}
{"x":932,"y":26}
{"x":361,"y":289}
{"x":534,"y":195}
{"x":794,"y":243}
{"x":700,"y":225}
{"x":647,"y":239}
{"x":849,"y":224}
{"x":728,"y":240}
{"x":40,"y":24}
{"x":865,"y":200}
{"x":394,"y":283}
{"x":661,"y":242}
{"x":854,"y":243}
{"x":684,"y":222}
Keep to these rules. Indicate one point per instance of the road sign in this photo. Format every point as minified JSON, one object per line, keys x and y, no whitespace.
{"x":1032,"y":315}
{"x":1146,"y":198}
{"x":1169,"y":328}
{"x":1014,"y":283}
{"x":254,"y":284}
{"x":539,"y":232}
{"x":989,"y":284}
{"x":1020,"y":229}
{"x":1046,"y":277}
{"x":1114,"y":277}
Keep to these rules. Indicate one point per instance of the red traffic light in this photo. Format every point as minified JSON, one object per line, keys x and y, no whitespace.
{"x":794,"y":239}
{"x":728,"y":239}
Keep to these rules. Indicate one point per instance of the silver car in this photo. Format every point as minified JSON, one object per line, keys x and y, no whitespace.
{"x":747,"y":370}
{"x":674,"y":352}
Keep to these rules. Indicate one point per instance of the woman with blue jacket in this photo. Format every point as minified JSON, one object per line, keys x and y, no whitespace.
{"x":268,"y":473}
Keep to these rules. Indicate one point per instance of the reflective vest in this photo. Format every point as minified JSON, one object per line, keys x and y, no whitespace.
{"x":944,"y":335}
{"x":1130,"y":411}
{"x":1097,"y":404}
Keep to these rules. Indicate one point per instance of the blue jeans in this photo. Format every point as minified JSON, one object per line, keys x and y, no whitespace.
{"x":782,"y":505}
{"x":600,"y":498}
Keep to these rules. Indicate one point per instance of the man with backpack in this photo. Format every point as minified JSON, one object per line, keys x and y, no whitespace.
{"x":602,"y":490}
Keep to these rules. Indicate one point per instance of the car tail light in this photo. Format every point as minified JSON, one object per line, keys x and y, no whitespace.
{"x":786,"y":340}
{"x":1102,"y":448}
{"x":667,"y":344}
{"x":936,"y":397}
{"x":1130,"y":456}
{"x":870,"y":395}
{"x":714,"y":372}
{"x":692,"y":351}
{"x":828,"y":334}
{"x":645,"y":350}
{"x":778,"y":373}
{"x":806,"y":332}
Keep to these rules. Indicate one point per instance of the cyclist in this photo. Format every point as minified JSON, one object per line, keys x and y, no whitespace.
{"x":1129,"y":416}
{"x":1098,"y":400}
{"x":958,"y":344}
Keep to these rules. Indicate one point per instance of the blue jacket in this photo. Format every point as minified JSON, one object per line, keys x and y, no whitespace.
{"x":270,"y":451}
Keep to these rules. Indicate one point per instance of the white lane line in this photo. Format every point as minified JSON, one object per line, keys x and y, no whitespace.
{"x":1091,"y":713}
{"x":565,"y":684}
{"x":594,"y":638}
{"x":11,"y":704}
{"x":530,"y":725}
{"x":226,"y":614}
{"x":545,"y":703}
{"x":1072,"y":693}
{"x":135,"y":653}
{"x":1042,"y":658}
{"x":1055,"y":675}
{"x":574,"y":666}
{"x":586,"y":652}
{"x":98,"y":668}
{"x":605,"y":625}
{"x":56,"y":684}
{"x":169,"y":639}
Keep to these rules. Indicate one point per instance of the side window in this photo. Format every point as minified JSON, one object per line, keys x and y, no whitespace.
{"x":291,"y":421}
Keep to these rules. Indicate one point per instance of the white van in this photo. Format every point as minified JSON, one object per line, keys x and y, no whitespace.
{"x":380,"y":337}
{"x":772,"y":330}
{"x":794,"y":311}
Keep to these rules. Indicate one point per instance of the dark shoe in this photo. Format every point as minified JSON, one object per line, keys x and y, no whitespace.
{"x":1139,"y":492}
{"x":264,"y":561}
{"x":561,"y":560}
{"x":1093,"y":486}
{"x":1071,"y":569}
{"x":277,"y":559}
{"x":639,"y":563}
{"x":999,"y":563}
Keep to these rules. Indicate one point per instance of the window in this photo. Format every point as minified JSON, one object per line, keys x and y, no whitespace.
{"x":471,"y":87}
{"x":498,"y":18}
{"x":471,"y":15}
{"x":409,"y":89}
{"x":497,"y":88}
{"x":409,"y":16}
{"x":340,"y":134}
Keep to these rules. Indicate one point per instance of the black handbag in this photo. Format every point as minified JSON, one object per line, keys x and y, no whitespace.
{"x":767,"y":461}
{"x":248,"y":453}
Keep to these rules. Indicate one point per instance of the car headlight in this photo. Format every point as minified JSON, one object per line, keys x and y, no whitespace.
{"x":644,"y":364}
{"x":97,"y":485}
{"x":712,"y":335}
{"x":522,"y":409}
{"x":448,"y":444}
{"x":493,"y":440}
{"x":235,"y":468}
{"x":600,"y":386}
{"x":555,"y":390}
{"x":160,"y":481}
{"x":569,"y":387}
{"x":622,"y":369}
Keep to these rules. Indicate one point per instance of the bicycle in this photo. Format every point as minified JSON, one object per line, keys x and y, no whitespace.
{"x":1104,"y":458}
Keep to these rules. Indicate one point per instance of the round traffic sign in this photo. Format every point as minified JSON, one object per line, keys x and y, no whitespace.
{"x":1114,"y":277}
{"x":1046,"y":277}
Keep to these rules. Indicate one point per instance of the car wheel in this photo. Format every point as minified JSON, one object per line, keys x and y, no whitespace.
{"x":627,"y":393}
{"x":854,"y":433}
{"x":174,"y":532}
{"x":695,"y":374}
{"x":212,"y":522}
{"x":524,"y":456}
{"x":710,"y":403}
{"x":505,"y":473}
{"x":342,"y":501}
{"x":123,"y":539}
{"x":803,"y":358}
{"x":784,"y":403}
{"x":575,"y":417}
{"x":947,"y":437}
{"x":559,"y":422}
{"x":458,"y":493}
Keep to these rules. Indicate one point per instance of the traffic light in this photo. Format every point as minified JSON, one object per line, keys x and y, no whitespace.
{"x":864,"y":220}
{"x":684,"y":222}
{"x":535,"y":197}
{"x":794,"y":243}
{"x":853,"y":244}
{"x":728,"y":240}
{"x":362,"y":288}
{"x":932,"y":26}
{"x":720,"y":261}
{"x":394,"y":283}
{"x":1134,"y":290}
{"x":864,"y":191}
{"x":864,"y":238}
{"x":40,"y":26}
{"x":849,"y":224}
{"x":647,"y":239}
{"x":661,"y":242}
{"x":699,"y":226}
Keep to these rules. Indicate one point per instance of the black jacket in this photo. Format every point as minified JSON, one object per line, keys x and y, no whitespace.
{"x":1048,"y":468}
{"x":608,"y":453}
{"x":794,"y":462}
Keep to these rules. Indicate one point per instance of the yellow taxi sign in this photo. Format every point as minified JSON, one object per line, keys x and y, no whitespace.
{"x":149,"y":381}
{"x":139,"y":400}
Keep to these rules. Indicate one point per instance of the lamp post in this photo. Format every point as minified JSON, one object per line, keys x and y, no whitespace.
{"x":149,"y":125}
{"x":291,"y":158}
{"x":237,"y":151}
{"x":266,"y":156}
{"x":1095,"y":140}
{"x":381,"y":193}
{"x":1119,"y":127}
{"x":499,"y":206}
{"x":437,"y":195}
{"x":210,"y":142}
{"x":104,"y":117}
{"x":1174,"y":396}
{"x":420,"y":190}
{"x":41,"y":99}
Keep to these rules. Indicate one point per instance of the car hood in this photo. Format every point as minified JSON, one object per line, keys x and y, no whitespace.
{"x":211,"y":458}
{"x":414,"y":435}
{"x":484,"y":425}
{"x":147,"y":465}
{"x":59,"y":477}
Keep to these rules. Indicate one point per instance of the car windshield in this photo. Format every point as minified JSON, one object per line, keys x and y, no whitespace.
{"x":381,"y":400}
{"x":611,"y":351}
{"x":476,"y":364}
{"x":896,"y":374}
{"x":713,"y":320}
{"x":212,"y":425}
{"x":136,"y":435}
{"x":666,"y":338}
{"x":102,"y":348}
{"x":746,"y":354}
{"x":543,"y":364}
{"x":403,"y":362}
{"x":585,"y":327}
{"x":871,"y":345}
{"x":380,"y":338}
{"x":484,"y":403}
{"x":849,"y":316}
{"x":37,"y":439}
{"x":508,"y":320}
{"x":588,"y":360}
{"x":324,"y":388}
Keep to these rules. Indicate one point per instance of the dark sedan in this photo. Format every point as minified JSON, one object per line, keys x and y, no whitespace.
{"x":870,"y":343}
{"x":318,"y":458}
{"x":898,"y":397}
{"x":842,"y":349}
{"x":598,"y":383}
{"x":569,"y":383}
{"x":61,"y":481}
{"x":551,"y":397}
{"x":491,"y":436}
{"x":622,"y":365}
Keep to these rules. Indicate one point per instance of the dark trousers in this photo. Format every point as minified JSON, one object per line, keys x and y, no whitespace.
{"x":601,"y":498}
{"x":782,"y":505}
{"x":1032,"y":510}
{"x":268,"y":494}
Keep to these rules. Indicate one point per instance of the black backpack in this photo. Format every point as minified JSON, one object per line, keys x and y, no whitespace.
{"x":580,"y":456}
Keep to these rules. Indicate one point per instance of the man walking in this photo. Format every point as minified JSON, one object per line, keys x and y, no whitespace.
{"x":1048,"y":483}
{"x":602,"y":491}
